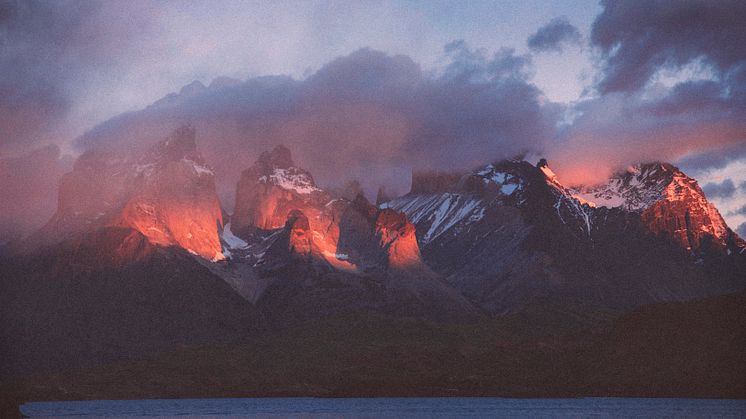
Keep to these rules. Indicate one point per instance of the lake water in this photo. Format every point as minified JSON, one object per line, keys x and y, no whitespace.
{"x":450,"y":407}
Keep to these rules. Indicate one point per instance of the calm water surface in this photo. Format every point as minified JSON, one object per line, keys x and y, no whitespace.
{"x":451,"y":407}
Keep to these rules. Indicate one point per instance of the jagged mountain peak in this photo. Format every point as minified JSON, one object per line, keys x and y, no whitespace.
{"x":276,"y":168}
{"x":279,"y":158}
{"x":271,"y":188}
{"x":184,"y":137}
{"x":640,"y":186}
{"x":167,"y":194}
{"x":178,"y":150}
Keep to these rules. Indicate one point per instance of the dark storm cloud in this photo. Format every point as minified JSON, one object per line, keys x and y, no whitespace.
{"x":618,"y":129}
{"x":712,"y":159}
{"x":637,"y":38}
{"x":28,"y":190}
{"x":739,"y":211}
{"x":30,"y":94}
{"x":554,"y":35}
{"x":367,"y":115}
{"x":741,"y":230}
{"x":48,"y":51}
{"x":724,"y":189}
{"x":698,"y":121}
{"x":468,"y":64}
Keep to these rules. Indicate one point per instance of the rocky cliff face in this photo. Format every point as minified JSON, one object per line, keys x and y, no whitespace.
{"x":172,"y":199}
{"x":396,"y":236}
{"x":269,"y":190}
{"x":350,"y":235}
{"x":503,"y":235}
{"x":89,"y":195}
{"x":433,"y":182}
{"x":511,"y":232}
{"x":168,"y":195}
{"x":670,"y":203}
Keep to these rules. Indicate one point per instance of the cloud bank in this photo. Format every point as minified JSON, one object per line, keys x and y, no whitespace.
{"x":554,"y":36}
{"x":638,"y":38}
{"x":368,"y":115}
{"x":372,"y":114}
{"x":724,"y":189}
{"x":50,"y":52}
{"x":635,"y":118}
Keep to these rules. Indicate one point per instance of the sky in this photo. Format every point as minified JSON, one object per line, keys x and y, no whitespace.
{"x":390,"y":86}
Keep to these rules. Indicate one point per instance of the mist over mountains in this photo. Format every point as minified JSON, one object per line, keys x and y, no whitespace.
{"x":441,"y":199}
{"x":148,"y":263}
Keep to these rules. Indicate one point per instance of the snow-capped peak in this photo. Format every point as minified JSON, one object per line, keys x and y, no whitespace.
{"x":291,"y":178}
{"x":549,"y":173}
{"x":638,"y":187}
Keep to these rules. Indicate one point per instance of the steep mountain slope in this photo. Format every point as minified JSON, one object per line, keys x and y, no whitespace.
{"x":692,"y":349}
{"x":172,"y":200}
{"x":511,"y":232}
{"x":270,"y":189}
{"x":670,"y":204}
{"x":497,"y":282}
{"x":167,"y":194}
{"x":110,"y":295}
{"x":296,"y":251}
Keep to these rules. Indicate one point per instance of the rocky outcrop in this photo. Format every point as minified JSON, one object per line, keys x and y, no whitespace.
{"x":172,"y":200}
{"x":300,"y":242}
{"x":371,"y":237}
{"x":433,"y":182}
{"x":350,"y":235}
{"x":510,"y":233}
{"x":670,"y":203}
{"x":396,"y":236}
{"x":167,"y":194}
{"x":269,"y":190}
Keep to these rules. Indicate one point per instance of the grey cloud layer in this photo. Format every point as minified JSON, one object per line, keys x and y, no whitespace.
{"x":374,"y":116}
{"x":640,"y":37}
{"x":698,"y":121}
{"x":724,"y":189}
{"x":49,"y":52}
{"x":554,"y":35}
{"x":367,"y":115}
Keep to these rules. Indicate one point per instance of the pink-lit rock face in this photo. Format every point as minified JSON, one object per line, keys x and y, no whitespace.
{"x":397,"y":237}
{"x":89,"y":197}
{"x":173,"y":199}
{"x":349,"y":235}
{"x":270,"y":189}
{"x":382,"y":238}
{"x":685,"y":216}
{"x":168,"y":195}
{"x":300,"y":241}
{"x":670,"y":203}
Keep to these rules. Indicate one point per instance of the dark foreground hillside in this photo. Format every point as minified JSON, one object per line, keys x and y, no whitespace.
{"x":693,"y":349}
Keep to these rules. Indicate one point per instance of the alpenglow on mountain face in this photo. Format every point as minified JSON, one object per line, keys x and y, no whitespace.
{"x":348,"y":234}
{"x":669,"y":202}
{"x":477,"y":276}
{"x":511,"y":232}
{"x":167,"y":194}
{"x":492,"y":240}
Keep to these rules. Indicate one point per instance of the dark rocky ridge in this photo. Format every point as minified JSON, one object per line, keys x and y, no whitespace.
{"x":497,"y":282}
{"x":511,"y":233}
{"x":166,"y":193}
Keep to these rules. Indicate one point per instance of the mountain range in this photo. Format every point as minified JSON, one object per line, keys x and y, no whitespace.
{"x":502,"y":269}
